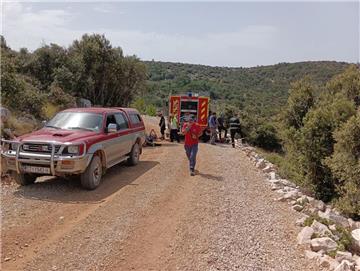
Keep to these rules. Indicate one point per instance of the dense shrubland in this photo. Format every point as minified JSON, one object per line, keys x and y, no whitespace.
{"x":53,"y":77}
{"x":321,"y":139}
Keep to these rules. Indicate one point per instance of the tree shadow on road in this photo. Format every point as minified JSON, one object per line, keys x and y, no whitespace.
{"x":57,"y":189}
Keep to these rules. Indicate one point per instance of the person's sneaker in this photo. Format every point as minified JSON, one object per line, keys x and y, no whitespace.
{"x":192,"y":172}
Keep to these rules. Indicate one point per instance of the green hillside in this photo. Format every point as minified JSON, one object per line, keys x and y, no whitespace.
{"x":264,"y":87}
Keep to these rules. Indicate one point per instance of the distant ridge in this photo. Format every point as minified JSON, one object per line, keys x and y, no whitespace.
{"x":264,"y":88}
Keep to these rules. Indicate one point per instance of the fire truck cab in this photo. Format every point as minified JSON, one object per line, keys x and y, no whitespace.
{"x":197,"y":106}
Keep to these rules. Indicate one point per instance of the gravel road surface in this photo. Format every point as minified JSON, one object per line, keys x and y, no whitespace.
{"x":154,"y":216}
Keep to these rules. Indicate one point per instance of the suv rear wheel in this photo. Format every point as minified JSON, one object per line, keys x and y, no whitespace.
{"x":134,"y":155}
{"x":91,"y":178}
{"x":24,"y":179}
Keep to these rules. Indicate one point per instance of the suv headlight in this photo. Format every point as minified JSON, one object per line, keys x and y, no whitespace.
{"x":73,"y":149}
{"x":14,"y":146}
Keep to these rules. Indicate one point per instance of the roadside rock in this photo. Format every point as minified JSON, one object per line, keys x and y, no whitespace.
{"x":268,"y":169}
{"x":343,"y":255}
{"x":323,"y":243}
{"x":325,"y":215}
{"x":260,"y":164}
{"x":332,"y":227}
{"x":356,"y":260}
{"x":297,"y":207}
{"x":291,"y":195}
{"x":355,"y":235}
{"x":327,"y":262}
{"x":321,"y":229}
{"x":300,"y":222}
{"x":345,"y":266}
{"x":272,"y":175}
{"x":318,"y":204}
{"x":312,"y":255}
{"x":310,"y":210}
{"x":304,"y":237}
{"x":302,"y":200}
{"x":339,"y":219}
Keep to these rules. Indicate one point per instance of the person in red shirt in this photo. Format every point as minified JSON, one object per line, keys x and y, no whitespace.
{"x":192,"y":132}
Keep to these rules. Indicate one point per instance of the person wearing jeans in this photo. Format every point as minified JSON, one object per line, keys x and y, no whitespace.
{"x":213,"y":127}
{"x":192,"y":132}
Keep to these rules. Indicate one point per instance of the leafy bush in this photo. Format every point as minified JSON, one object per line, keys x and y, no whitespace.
{"x":348,"y":83}
{"x":345,"y":165}
{"x":317,"y":143}
{"x":150,"y":110}
{"x":322,"y":140}
{"x":265,"y":136}
{"x":60,"y":98}
{"x":140,"y":105}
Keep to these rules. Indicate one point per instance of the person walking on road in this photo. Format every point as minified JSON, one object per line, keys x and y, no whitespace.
{"x":162,"y":125}
{"x":192,"y":132}
{"x":213,"y":127}
{"x":235,"y":128}
{"x":174,"y":127}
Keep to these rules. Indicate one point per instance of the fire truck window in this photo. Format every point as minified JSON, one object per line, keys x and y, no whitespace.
{"x":121,"y":121}
{"x":188,"y":105}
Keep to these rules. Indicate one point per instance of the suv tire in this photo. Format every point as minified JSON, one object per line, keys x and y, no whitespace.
{"x":91,"y":178}
{"x":134,"y":155}
{"x":24,"y":179}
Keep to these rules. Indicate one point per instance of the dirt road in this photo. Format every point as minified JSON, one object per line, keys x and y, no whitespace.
{"x":153,"y":217}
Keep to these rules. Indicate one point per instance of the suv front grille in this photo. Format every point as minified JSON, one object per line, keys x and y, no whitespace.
{"x":39,"y":148}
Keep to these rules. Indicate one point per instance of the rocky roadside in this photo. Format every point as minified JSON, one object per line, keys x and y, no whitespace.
{"x":329,"y":238}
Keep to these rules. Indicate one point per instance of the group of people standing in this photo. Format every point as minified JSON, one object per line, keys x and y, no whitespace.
{"x":219,"y":124}
{"x":173,"y":127}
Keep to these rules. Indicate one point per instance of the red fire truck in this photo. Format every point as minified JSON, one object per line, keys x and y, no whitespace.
{"x":197,"y":106}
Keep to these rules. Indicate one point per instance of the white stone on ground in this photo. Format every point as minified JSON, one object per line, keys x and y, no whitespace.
{"x":304,"y":237}
{"x":345,"y":266}
{"x":323,"y":243}
{"x":321,"y":229}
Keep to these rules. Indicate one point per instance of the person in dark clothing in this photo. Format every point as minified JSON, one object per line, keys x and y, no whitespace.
{"x":174,"y":128}
{"x":162,"y":126}
{"x":221,"y":127}
{"x":234,"y":124}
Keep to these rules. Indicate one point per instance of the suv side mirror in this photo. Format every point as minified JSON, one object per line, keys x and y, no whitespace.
{"x":112,"y":128}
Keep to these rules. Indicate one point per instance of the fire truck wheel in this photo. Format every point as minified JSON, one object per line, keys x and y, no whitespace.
{"x":91,"y":178}
{"x":134,"y":155}
{"x":24,"y":179}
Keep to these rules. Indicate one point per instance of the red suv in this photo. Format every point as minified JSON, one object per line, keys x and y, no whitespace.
{"x":78,"y":141}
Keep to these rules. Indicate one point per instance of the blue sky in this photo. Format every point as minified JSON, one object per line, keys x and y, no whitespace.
{"x":211,"y":33}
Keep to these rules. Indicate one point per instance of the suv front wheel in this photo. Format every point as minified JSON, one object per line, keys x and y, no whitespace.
{"x":24,"y":179}
{"x":91,"y":178}
{"x":134,"y":155}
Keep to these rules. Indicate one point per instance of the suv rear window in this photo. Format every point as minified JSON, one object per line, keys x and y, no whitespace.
{"x":135,"y":118}
{"x":121,"y":121}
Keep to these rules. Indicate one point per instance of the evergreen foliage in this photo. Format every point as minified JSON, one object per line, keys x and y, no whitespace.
{"x":321,"y":138}
{"x":55,"y":76}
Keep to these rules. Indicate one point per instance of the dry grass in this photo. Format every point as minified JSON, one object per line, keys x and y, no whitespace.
{"x":49,"y":110}
{"x":19,"y":127}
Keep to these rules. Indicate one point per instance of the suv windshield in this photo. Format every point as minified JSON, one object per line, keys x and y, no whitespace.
{"x":76,"y":121}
